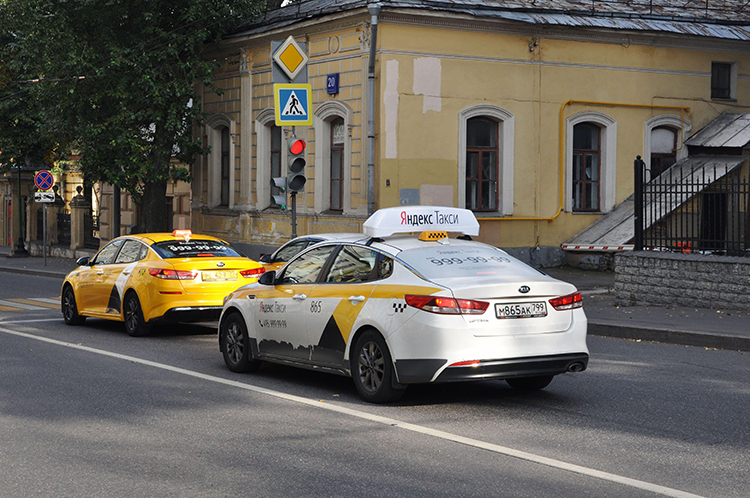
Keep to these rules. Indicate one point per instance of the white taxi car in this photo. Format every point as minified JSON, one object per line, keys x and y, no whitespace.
{"x":390,"y":309}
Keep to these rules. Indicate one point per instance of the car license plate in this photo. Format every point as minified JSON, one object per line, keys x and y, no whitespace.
{"x":521,"y":310}
{"x":213,"y":276}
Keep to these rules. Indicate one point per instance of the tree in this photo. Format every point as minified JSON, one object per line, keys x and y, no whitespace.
{"x":118,"y":76}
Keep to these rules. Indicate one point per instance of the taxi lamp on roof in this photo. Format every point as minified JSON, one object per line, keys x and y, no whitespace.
{"x":408,"y":219}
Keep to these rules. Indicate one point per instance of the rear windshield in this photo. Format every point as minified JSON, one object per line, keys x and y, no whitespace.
{"x":469,"y":261}
{"x":195,"y":248}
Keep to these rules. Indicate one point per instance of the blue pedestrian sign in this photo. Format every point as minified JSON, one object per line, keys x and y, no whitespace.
{"x":293,"y":104}
{"x":44,"y":180}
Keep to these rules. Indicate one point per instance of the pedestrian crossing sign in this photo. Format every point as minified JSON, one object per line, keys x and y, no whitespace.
{"x":292,"y":104}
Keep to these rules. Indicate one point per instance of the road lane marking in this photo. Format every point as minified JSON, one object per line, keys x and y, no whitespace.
{"x":14,"y":304}
{"x":35,"y":302}
{"x":9,"y":308}
{"x":447,"y":436}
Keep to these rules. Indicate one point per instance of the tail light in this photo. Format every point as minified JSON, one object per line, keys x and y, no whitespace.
{"x":569,"y":302}
{"x":172,"y":274}
{"x":446,"y":305}
{"x":254,"y":272}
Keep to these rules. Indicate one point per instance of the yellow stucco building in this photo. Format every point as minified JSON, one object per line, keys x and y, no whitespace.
{"x":532,"y":118}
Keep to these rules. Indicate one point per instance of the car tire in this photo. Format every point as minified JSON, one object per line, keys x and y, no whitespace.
{"x":135,"y":324}
{"x":372,"y":369}
{"x":528,"y":384}
{"x":235,"y":344}
{"x":69,"y":308}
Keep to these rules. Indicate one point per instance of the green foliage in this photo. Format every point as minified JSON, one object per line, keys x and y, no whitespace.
{"x":115,"y":75}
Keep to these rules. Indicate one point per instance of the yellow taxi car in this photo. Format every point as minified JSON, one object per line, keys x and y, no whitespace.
{"x":156,"y":277}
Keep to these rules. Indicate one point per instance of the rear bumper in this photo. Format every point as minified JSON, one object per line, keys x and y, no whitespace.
{"x":189,"y":314}
{"x":420,"y":371}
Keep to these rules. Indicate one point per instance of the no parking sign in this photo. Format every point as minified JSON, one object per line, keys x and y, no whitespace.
{"x":44,"y":180}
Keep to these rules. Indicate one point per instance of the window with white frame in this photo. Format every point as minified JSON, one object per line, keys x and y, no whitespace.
{"x":332,"y":164}
{"x":591,"y":166}
{"x":485,"y":159}
{"x":723,"y":78}
{"x":663,"y":147}
{"x":219,"y":131}
{"x":270,"y":155}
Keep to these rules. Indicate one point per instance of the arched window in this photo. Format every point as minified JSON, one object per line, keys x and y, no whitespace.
{"x":219,"y":131}
{"x":225,"y":164}
{"x":485,"y":159}
{"x":337,"y":164}
{"x":586,"y":167}
{"x":591,"y":171}
{"x":481,"y":164}
{"x":275,"y":161}
{"x":335,"y":177}
{"x":663,"y":149}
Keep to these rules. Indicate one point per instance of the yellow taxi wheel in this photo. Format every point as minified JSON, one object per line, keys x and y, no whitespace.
{"x":372,"y":369}
{"x":235,"y":344}
{"x":135,"y":324}
{"x":69,"y":308}
{"x":530,"y":383}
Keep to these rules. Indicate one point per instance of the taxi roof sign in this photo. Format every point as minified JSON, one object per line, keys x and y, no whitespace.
{"x":405,"y":219}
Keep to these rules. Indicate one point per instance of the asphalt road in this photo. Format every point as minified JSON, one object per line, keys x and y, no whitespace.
{"x":91,"y":411}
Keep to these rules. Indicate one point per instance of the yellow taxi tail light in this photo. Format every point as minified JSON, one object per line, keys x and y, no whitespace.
{"x":173,"y":274}
{"x":447,"y":305}
{"x":253,"y":272}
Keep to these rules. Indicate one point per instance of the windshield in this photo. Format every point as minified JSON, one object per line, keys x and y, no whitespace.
{"x":195,"y":248}
{"x":468,"y":261}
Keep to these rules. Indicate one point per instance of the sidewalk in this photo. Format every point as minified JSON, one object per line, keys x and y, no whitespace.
{"x":705,"y":327}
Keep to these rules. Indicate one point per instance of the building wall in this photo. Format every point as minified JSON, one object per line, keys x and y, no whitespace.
{"x":428,"y":72}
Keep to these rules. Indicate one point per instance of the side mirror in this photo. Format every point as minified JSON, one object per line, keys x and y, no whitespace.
{"x":84,"y":261}
{"x":265,"y":258}
{"x":268,"y":278}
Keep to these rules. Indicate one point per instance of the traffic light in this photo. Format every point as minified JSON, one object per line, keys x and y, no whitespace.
{"x":279,"y":199}
{"x":295,"y":173}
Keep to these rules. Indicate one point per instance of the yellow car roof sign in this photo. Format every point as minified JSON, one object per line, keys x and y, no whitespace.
{"x":407,"y":219}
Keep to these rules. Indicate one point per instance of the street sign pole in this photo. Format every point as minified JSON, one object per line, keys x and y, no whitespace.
{"x":44,"y":233}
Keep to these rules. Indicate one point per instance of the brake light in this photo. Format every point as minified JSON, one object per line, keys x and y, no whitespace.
{"x":172,"y":274}
{"x":254,"y":272}
{"x":446,"y":305}
{"x":569,"y":302}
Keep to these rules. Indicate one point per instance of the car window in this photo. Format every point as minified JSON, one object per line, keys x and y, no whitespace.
{"x":353,"y":264}
{"x":290,"y":250}
{"x":459,"y":261}
{"x":130,"y":252}
{"x":385,"y":266}
{"x":306,"y":267}
{"x":108,"y":253}
{"x":195,"y":248}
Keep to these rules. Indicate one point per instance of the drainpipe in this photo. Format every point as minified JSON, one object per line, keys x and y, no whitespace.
{"x":374,"y":9}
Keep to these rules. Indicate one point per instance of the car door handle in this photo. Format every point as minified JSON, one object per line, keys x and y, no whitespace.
{"x":356,"y":299}
{"x":299,"y":297}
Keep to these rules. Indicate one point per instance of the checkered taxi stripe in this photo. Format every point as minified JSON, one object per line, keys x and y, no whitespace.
{"x":399,"y":307}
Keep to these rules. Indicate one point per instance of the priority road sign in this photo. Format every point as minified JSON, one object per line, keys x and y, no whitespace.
{"x":292,"y":104}
{"x":44,"y":180}
{"x":290,"y":58}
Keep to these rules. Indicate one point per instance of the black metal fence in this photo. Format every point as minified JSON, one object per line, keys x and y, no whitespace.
{"x":90,"y":231}
{"x":63,"y":229}
{"x":692,"y":208}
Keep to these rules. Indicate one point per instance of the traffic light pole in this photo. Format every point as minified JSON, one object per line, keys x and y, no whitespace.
{"x":294,"y":214}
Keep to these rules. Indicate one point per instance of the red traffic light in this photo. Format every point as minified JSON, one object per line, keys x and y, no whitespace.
{"x":296,"y":146}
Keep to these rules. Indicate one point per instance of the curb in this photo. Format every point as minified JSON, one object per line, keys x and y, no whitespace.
{"x":31,"y":271}
{"x":700,"y":339}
